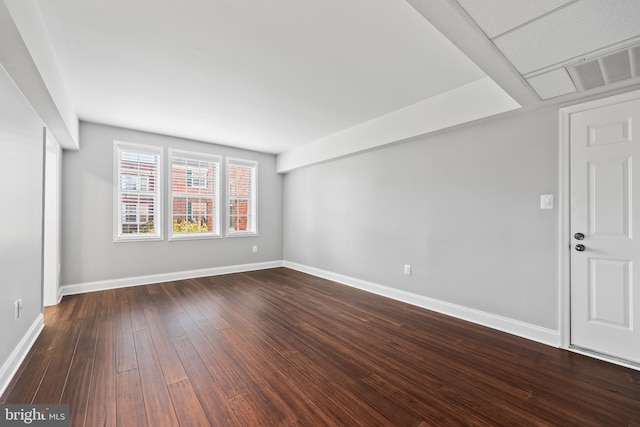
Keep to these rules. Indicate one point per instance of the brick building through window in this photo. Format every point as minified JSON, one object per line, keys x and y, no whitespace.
{"x":194,"y":193}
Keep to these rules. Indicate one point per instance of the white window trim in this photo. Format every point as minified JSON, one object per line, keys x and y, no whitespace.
{"x":254,"y":205}
{"x":158,"y":213}
{"x":216,"y":196}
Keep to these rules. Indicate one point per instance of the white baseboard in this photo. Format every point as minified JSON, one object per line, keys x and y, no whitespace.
{"x":504,"y":324}
{"x":16,"y":358}
{"x":102,"y":285}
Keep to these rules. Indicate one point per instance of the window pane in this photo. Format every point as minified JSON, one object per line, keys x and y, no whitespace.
{"x":199,"y":178}
{"x":130,"y":214}
{"x":138,"y":190}
{"x":241,"y":175}
{"x":238,"y":223}
{"x":194,"y":191}
{"x":240,"y":178}
{"x":179,"y":206}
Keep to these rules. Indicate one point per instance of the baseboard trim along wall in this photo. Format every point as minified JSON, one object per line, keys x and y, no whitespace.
{"x":102,"y":285}
{"x":16,"y":358}
{"x":504,"y":324}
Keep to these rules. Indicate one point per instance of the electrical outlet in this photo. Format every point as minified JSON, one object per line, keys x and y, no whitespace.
{"x":407,"y":269}
{"x":254,"y":249}
{"x":17,"y":308}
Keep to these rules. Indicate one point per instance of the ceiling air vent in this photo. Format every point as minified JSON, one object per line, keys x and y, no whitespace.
{"x":606,"y":69}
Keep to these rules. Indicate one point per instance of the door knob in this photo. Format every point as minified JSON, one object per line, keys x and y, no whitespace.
{"x":579,"y":236}
{"x":580,"y":248}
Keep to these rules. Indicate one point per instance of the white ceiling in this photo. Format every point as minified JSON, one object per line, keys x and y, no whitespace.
{"x":261,"y":75}
{"x":496,"y":17}
{"x":283,"y":75}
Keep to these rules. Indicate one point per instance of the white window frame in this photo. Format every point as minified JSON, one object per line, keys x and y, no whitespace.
{"x":253,"y":199}
{"x":118,"y":235}
{"x":217,"y":161}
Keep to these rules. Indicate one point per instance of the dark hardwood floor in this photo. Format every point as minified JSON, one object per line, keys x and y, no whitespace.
{"x":278,"y":347}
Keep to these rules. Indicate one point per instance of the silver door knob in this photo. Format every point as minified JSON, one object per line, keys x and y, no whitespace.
{"x":579,"y":236}
{"x":580,"y":248}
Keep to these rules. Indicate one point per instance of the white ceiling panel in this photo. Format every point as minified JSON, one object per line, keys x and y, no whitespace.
{"x":570,"y":33}
{"x":497,"y":16}
{"x":552,"y":83}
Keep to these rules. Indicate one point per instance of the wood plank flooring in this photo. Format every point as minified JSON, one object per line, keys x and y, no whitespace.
{"x":281,"y":348}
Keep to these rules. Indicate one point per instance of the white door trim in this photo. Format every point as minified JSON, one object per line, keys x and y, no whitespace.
{"x":564,"y":203}
{"x":52,"y":221}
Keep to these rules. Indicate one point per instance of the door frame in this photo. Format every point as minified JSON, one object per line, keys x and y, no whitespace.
{"x":564,"y":204}
{"x":52,"y":215}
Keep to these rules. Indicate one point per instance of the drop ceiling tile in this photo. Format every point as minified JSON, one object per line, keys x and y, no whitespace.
{"x":570,"y":33}
{"x":552,"y":83}
{"x":497,"y":16}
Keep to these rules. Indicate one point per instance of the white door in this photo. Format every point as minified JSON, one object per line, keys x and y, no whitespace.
{"x":605,"y":207}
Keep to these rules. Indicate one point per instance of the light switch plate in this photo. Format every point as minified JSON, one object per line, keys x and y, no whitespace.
{"x":546,"y":201}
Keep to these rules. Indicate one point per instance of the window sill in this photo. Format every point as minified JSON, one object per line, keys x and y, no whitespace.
{"x":153,"y":238}
{"x":242,"y":233}
{"x":193,"y":236}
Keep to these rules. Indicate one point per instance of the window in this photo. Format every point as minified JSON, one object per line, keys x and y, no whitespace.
{"x":136,"y":182}
{"x":194,"y":195}
{"x":241,"y":197}
{"x":137,"y":192}
{"x":197,"y":178}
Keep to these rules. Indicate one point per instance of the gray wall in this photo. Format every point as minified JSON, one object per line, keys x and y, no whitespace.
{"x":88,"y":250}
{"x":21,"y":188}
{"x":461,"y":207}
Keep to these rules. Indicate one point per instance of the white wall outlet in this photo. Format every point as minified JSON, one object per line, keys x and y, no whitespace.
{"x":254,"y":249}
{"x":407,"y":269}
{"x":17,"y":308}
